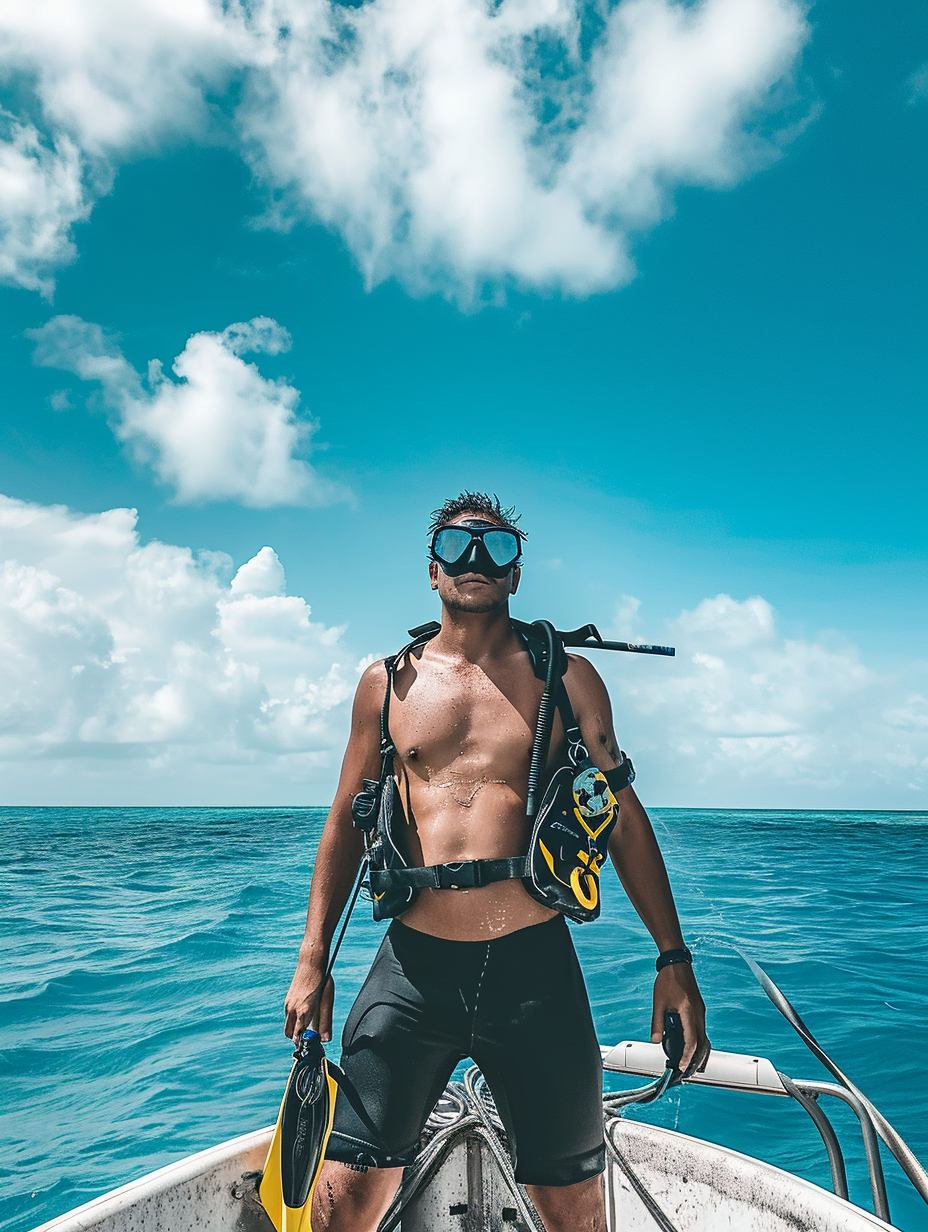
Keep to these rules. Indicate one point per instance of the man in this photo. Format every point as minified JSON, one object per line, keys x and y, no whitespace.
{"x":486,"y":972}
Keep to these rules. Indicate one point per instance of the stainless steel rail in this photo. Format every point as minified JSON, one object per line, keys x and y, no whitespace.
{"x":904,"y":1155}
{"x":736,"y":1072}
{"x":829,"y":1137}
{"x":867,"y":1129}
{"x":472,"y":1114}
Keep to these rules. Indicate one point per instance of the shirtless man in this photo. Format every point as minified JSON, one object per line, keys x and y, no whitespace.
{"x":487,"y":972}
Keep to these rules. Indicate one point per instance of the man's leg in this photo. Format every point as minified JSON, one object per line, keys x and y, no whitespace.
{"x":571,"y":1208}
{"x":399,"y":1048}
{"x":347,"y":1200}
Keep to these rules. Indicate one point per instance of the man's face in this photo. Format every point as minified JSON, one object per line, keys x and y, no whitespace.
{"x":472,"y":592}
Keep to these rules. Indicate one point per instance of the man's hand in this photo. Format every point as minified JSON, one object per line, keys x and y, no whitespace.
{"x":675,"y":989}
{"x":308,"y":1004}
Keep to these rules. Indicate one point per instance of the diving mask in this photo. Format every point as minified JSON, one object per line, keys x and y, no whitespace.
{"x":476,"y":547}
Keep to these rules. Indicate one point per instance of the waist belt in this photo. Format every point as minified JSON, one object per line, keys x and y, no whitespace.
{"x":462,"y":875}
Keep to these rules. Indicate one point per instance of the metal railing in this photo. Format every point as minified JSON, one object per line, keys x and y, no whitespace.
{"x":737,"y":1072}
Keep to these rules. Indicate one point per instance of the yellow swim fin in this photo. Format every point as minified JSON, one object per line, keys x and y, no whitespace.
{"x":297,"y":1150}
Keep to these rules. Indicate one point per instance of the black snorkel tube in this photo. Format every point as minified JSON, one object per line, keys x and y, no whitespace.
{"x":587,"y":637}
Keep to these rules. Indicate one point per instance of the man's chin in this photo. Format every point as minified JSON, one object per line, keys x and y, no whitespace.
{"x":475,"y":604}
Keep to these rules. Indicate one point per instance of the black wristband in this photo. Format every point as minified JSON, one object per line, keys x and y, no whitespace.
{"x":621,"y":775}
{"x":669,"y":957}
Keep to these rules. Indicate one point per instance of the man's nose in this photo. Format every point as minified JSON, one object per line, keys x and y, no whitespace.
{"x":473,"y":556}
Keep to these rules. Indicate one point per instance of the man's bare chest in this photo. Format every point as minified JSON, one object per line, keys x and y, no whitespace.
{"x":444,"y":715}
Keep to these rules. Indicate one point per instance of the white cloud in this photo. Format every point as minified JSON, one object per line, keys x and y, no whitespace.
{"x":113,"y":651}
{"x":456,"y":145}
{"x":625,"y":620}
{"x":744,"y":716}
{"x":418,"y":127}
{"x":673,"y":88}
{"x":222,"y":432}
{"x":120,"y":78}
{"x":100,"y":81}
{"x":41,"y":195}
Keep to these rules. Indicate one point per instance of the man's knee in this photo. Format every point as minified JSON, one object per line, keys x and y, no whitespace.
{"x":351,"y":1200}
{"x":571,"y":1208}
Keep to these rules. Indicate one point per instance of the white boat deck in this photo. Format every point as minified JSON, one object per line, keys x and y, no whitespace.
{"x":699,"y":1187}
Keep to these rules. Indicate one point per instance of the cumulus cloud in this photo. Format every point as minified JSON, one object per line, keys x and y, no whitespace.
{"x":744,"y":714}
{"x":115,"y":650}
{"x":122,"y":78}
{"x":455,"y":141}
{"x":98,"y":82}
{"x":221,"y":432}
{"x":42,"y":194}
{"x":455,"y":145}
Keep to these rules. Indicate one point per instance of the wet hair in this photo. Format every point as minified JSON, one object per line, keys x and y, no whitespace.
{"x":481,"y":504}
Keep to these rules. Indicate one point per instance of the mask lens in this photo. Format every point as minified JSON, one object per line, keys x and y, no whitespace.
{"x":451,"y":543}
{"x":502,"y":546}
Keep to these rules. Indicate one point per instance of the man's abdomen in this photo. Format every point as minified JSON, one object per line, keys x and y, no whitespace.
{"x":478,"y":914}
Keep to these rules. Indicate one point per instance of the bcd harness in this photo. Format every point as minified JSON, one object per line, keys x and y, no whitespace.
{"x":570,"y":828}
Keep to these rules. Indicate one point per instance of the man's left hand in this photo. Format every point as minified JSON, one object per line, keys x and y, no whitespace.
{"x":675,"y":989}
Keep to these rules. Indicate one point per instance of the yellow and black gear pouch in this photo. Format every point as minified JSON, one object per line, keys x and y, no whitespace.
{"x":570,"y":836}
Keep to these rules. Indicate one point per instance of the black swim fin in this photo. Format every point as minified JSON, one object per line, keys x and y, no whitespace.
{"x":297,"y":1151}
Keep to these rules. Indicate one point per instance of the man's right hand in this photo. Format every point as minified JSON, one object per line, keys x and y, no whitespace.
{"x":308,"y":1004}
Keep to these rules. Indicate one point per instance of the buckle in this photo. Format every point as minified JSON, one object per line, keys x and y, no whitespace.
{"x":461,"y":876}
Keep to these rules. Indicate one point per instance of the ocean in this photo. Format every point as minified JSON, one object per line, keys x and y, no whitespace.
{"x":146,"y":954}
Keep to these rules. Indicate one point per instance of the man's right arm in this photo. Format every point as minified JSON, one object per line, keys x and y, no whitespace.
{"x":336,"y":865}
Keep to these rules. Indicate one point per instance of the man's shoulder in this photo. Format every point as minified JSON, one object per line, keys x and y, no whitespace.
{"x":371,"y":686}
{"x":583,"y":681}
{"x":579,"y":668}
{"x":375,"y":671}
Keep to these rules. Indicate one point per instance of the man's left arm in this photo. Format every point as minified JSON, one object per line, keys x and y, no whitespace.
{"x":640,"y":865}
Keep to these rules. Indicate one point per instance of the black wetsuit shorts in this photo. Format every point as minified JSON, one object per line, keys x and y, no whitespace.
{"x":518,"y":1006}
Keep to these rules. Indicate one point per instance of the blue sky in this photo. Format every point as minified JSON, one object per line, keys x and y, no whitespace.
{"x":742,"y":415}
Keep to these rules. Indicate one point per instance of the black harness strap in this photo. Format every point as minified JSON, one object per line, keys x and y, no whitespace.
{"x":423,"y":634}
{"x":461,"y":874}
{"x":576,"y":790}
{"x":576,"y":749}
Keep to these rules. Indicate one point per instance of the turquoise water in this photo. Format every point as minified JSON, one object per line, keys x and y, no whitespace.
{"x":146,"y":954}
